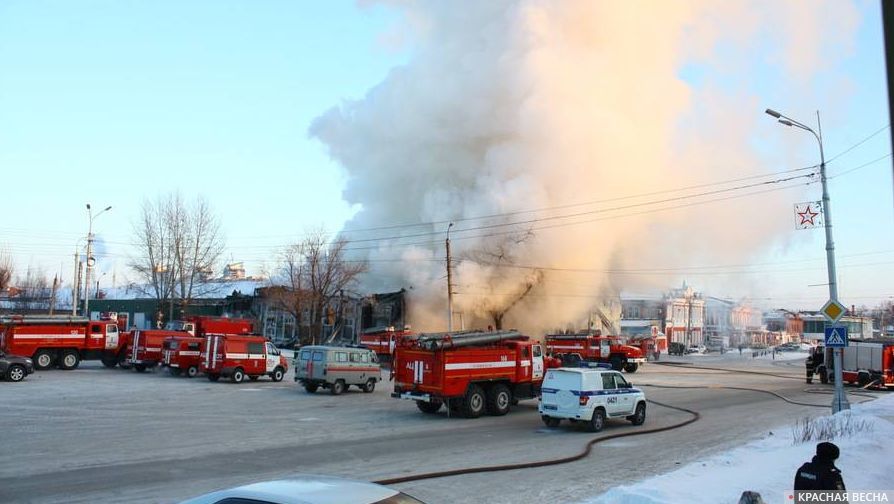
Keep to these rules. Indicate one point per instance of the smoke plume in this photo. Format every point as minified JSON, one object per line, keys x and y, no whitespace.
{"x":579,"y":121}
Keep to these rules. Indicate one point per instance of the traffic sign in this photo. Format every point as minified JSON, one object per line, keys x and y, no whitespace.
{"x":836,"y":337}
{"x":833,"y":310}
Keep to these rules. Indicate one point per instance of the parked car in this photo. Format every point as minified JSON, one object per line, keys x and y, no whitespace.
{"x":307,"y":490}
{"x":14,"y":367}
{"x":590,"y":397}
{"x":696,"y":349}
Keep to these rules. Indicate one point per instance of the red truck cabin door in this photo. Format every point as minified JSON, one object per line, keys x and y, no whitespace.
{"x":537,"y":362}
{"x":111,"y":336}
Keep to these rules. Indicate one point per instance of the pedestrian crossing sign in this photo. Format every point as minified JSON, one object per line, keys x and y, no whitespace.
{"x":836,"y":337}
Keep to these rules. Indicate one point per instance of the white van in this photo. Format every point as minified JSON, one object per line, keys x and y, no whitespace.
{"x":336,"y":368}
{"x":589,"y":396}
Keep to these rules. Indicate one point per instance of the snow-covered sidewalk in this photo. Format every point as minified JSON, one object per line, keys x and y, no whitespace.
{"x":768,"y":466}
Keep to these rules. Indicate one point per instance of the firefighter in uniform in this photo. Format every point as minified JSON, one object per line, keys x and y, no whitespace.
{"x":814,"y":360}
{"x":820,"y":473}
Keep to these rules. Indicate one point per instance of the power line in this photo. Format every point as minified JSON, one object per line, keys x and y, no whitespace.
{"x":861,"y":142}
{"x":864,"y":165}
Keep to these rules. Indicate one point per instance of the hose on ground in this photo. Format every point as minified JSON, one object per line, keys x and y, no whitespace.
{"x":684,"y":365}
{"x":694,"y":417}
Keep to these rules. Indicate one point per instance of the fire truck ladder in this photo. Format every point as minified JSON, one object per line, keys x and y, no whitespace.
{"x":41,"y":319}
{"x":456,"y":339}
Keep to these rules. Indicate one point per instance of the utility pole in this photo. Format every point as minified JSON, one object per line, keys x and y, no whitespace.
{"x":75,"y":297}
{"x":53,"y":294}
{"x":449,"y":284}
{"x":839,"y":401}
{"x":90,"y":260}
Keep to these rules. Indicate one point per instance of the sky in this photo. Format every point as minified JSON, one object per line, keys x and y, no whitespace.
{"x":252,"y":105}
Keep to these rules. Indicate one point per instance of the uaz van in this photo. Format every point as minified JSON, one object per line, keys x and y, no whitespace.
{"x":336,"y":368}
{"x":589,"y":396}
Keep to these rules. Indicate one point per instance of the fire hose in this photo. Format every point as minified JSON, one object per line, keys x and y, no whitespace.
{"x":694,"y":417}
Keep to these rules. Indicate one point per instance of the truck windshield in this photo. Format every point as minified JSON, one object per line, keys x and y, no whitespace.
{"x":175,"y":325}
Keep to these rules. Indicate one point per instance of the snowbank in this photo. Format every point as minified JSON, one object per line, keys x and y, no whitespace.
{"x":768,"y":466}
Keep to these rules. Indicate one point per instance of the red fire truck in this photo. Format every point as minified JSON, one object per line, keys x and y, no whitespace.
{"x":202,"y":325}
{"x":593,"y":347}
{"x":238,"y":356}
{"x":382,"y":340}
{"x":183,"y":355}
{"x":469,"y":371}
{"x":60,"y":340}
{"x":650,"y":346}
{"x":868,"y":362}
{"x":145,"y":350}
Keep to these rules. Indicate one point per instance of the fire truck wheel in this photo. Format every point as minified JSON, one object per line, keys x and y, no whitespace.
{"x":277,"y":374}
{"x":550,"y":421}
{"x":863,"y":378}
{"x":474,"y":402}
{"x":70,"y":360}
{"x":631,"y":367}
{"x":338,"y":387}
{"x":192,"y":371}
{"x":213,"y":377}
{"x":369,"y":386}
{"x":428,"y":407}
{"x":498,"y":399}
{"x":617,"y":363}
{"x":43,"y":359}
{"x":639,"y":416}
{"x":598,"y":421}
{"x":122,"y":360}
{"x":15,"y":373}
{"x":139,"y":367}
{"x":109,"y":361}
{"x":311,"y":387}
{"x":238,"y":375}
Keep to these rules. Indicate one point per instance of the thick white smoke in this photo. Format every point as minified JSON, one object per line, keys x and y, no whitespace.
{"x":508,"y":107}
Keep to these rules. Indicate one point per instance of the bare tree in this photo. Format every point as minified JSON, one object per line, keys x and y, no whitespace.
{"x":33,"y":291}
{"x":501,"y":255}
{"x":315,"y":272}
{"x":177,"y":246}
{"x":6,"y":270}
{"x":289,"y":291}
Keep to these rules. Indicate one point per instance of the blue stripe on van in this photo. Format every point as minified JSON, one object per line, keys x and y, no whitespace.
{"x":594,"y":392}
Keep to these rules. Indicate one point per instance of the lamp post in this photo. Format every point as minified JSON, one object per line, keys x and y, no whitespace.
{"x":90,"y":260}
{"x":449,"y":284}
{"x":839,"y":400}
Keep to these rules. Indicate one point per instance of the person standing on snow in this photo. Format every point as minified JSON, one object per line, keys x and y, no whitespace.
{"x":820,"y":473}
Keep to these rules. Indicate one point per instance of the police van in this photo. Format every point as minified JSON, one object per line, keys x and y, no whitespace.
{"x":336,"y":368}
{"x":589,"y":395}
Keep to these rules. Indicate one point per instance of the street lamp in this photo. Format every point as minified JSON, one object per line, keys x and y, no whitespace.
{"x":839,"y":401}
{"x":90,"y":260}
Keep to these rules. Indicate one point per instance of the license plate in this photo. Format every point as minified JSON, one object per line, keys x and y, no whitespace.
{"x":550,"y":407}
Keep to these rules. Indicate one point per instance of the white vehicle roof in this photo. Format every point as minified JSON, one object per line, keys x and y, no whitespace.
{"x":307,"y":489}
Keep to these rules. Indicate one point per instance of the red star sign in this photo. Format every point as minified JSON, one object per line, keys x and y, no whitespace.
{"x":807,"y":216}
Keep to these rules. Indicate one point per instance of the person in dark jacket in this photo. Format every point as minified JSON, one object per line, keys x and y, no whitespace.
{"x":820,"y":473}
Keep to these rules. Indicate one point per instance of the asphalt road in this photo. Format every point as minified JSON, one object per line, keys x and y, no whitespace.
{"x":100,"y":435}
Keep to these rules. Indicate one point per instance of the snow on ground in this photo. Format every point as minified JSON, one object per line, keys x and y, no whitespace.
{"x":768,"y":466}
